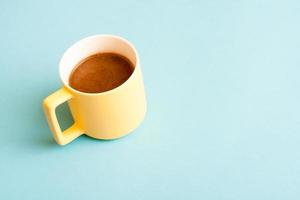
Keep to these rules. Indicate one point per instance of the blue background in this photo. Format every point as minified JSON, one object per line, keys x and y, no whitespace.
{"x":222,"y":83}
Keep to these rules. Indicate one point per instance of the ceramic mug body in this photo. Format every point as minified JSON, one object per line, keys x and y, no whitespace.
{"x":108,"y":115}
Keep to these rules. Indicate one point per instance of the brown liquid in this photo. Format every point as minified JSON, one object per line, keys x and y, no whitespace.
{"x":101,"y":72}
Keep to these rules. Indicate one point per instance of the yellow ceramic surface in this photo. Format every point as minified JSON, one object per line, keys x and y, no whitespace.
{"x":106,"y":115}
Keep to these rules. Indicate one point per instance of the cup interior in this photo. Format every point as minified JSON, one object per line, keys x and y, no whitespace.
{"x":90,"y":46}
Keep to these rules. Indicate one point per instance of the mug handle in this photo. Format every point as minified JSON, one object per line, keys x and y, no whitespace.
{"x":50,"y":103}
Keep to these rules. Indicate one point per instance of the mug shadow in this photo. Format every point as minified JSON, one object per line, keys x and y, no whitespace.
{"x":48,"y":143}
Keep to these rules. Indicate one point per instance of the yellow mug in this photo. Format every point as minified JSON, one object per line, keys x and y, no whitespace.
{"x":107,"y":115}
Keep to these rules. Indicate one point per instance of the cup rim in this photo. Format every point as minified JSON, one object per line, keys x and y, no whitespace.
{"x":102,"y":36}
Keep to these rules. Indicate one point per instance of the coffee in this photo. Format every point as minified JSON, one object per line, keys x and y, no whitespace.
{"x":101,"y":72}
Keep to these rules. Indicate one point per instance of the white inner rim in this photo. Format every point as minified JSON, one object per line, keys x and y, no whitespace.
{"x":93,"y":45}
